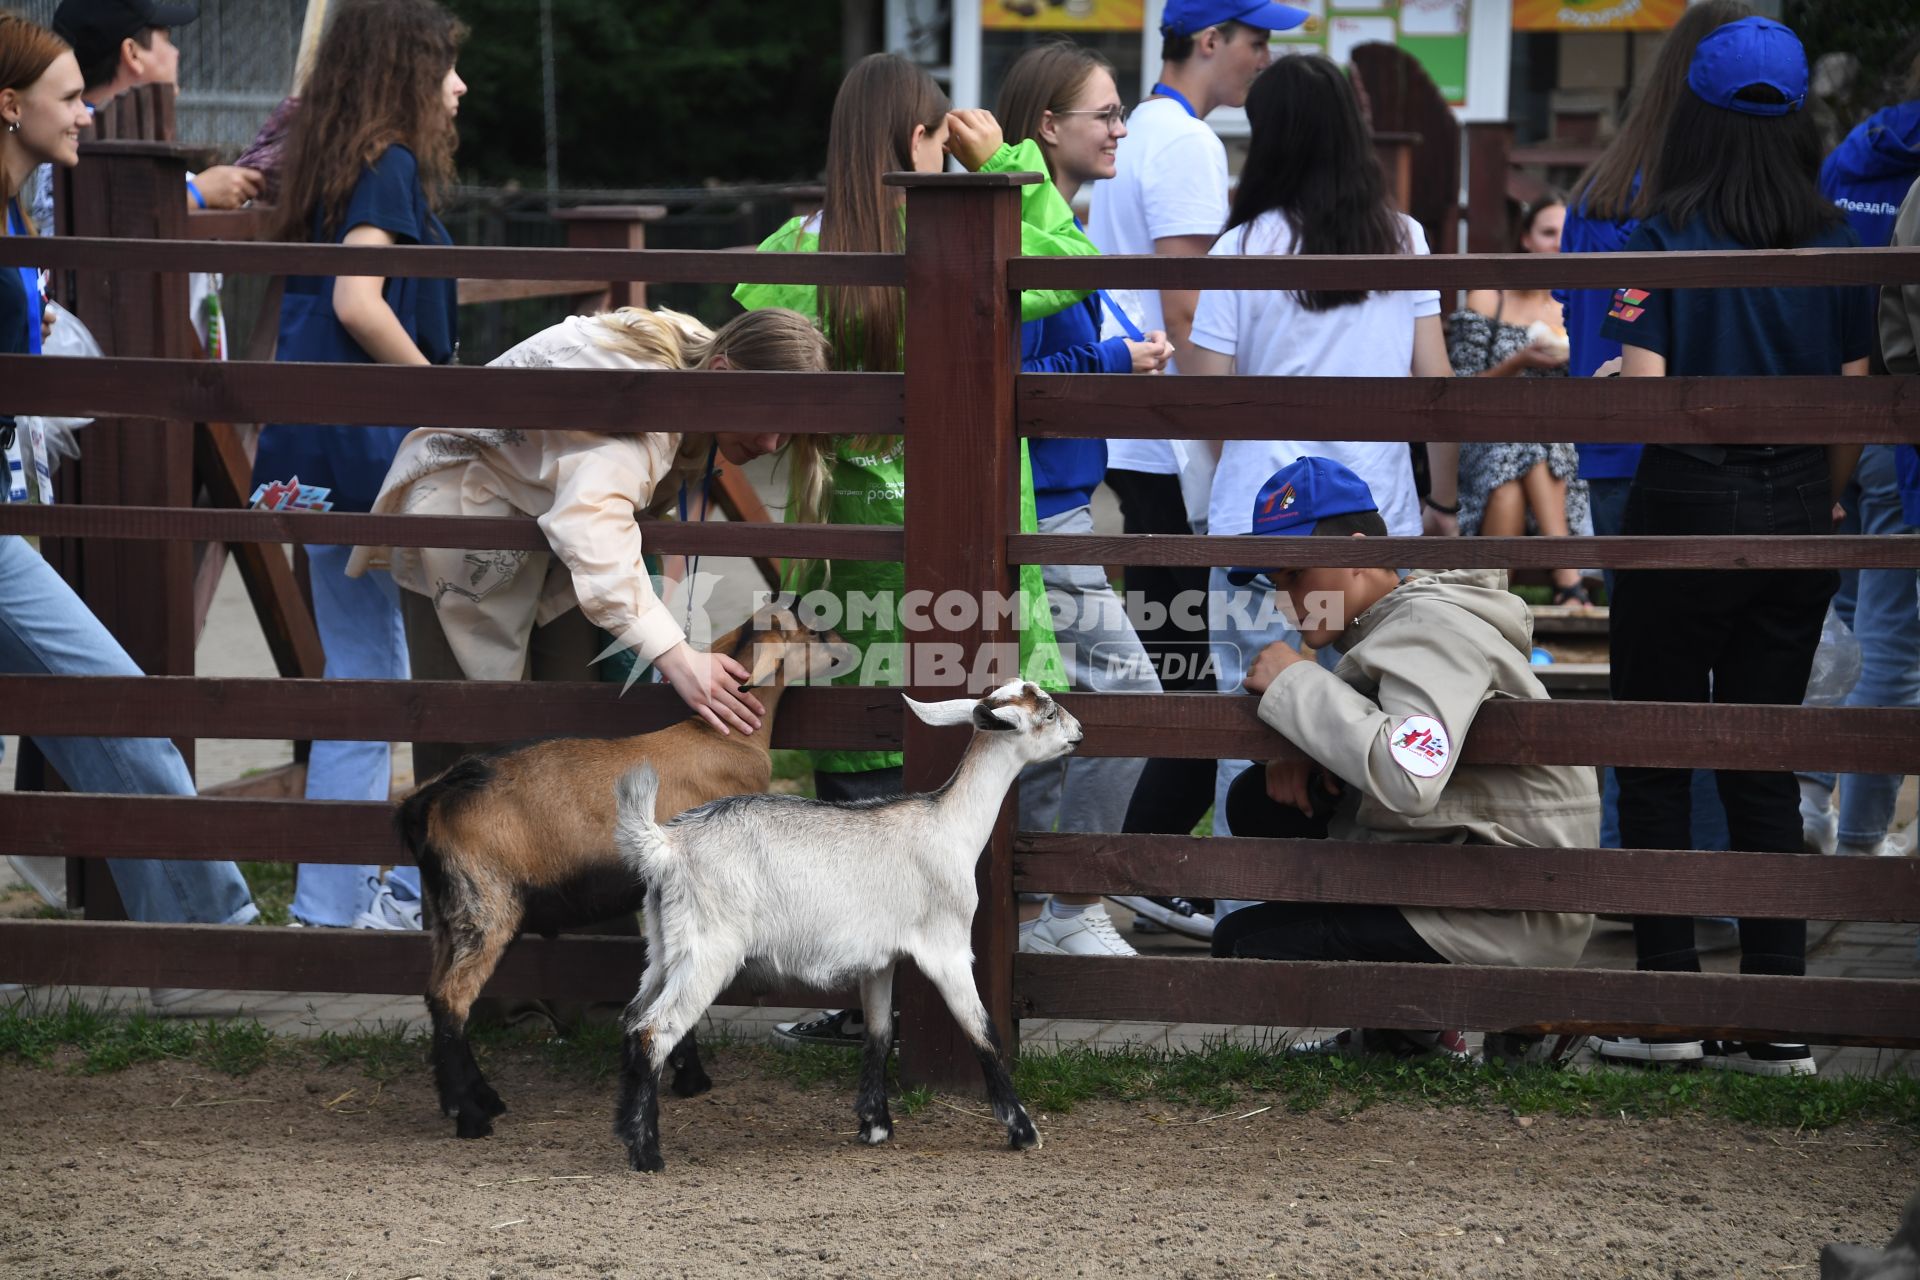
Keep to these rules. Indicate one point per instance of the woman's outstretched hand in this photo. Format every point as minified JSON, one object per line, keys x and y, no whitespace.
{"x":713,"y":685}
{"x":973,"y":136}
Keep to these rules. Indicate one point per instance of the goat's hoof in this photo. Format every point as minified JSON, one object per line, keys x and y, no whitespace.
{"x":488,"y":1101}
{"x":1022,"y":1136}
{"x":645,"y":1161}
{"x":875,"y":1132}
{"x":691,"y":1084}
{"x":469,"y":1124}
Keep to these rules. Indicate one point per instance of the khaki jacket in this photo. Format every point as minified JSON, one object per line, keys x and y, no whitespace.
{"x":1391,"y":720}
{"x":1900,"y":304}
{"x":585,"y":489}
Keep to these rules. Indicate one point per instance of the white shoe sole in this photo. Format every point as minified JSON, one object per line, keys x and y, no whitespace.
{"x":1614,"y":1051}
{"x":1743,"y":1065}
{"x":1200,"y":927}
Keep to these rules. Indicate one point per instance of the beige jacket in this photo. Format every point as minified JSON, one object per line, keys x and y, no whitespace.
{"x":1900,"y":304}
{"x":585,"y":489}
{"x":1391,"y":721}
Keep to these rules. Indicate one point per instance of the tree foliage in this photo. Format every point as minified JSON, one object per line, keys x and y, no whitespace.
{"x":1882,"y":37}
{"x":662,"y":93}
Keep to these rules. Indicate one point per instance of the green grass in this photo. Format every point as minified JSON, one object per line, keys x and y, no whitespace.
{"x":88,"y":1039}
{"x":793,"y":772}
{"x":272,"y":885}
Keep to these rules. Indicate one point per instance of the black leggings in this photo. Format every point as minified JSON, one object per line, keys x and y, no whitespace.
{"x":1307,"y":930}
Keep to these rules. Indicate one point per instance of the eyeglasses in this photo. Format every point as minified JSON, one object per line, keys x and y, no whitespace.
{"x":1113,"y":117}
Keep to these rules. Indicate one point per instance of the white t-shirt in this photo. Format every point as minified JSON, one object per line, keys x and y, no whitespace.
{"x":1267,"y":332}
{"x":1172,"y":181}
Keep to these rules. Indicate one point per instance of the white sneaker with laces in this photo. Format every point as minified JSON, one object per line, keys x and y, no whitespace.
{"x":1089,"y":932}
{"x":1819,"y":822}
{"x":389,"y":910}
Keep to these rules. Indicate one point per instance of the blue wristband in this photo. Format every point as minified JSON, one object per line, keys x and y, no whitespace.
{"x":193,"y":189}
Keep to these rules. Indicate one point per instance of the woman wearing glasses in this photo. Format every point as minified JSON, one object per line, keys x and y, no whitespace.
{"x":1063,"y":98}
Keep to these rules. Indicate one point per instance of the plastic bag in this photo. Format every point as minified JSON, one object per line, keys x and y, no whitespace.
{"x":69,"y":338}
{"x":1836,"y":663}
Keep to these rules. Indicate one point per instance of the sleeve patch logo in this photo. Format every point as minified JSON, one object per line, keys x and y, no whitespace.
{"x":1628,"y":305}
{"x":1419,"y":745}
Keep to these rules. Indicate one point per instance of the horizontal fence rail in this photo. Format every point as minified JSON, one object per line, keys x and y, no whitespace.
{"x":650,"y":266}
{"x":62,"y":953}
{"x":1441,"y":996}
{"x":607,"y":401}
{"x":1749,"y":411}
{"x":1667,"y":735}
{"x":489,"y":533}
{"x":1717,"y":269}
{"x":1624,"y":881}
{"x":1813,"y":551}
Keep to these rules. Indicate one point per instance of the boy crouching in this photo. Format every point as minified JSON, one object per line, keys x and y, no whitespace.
{"x":1384,"y":731}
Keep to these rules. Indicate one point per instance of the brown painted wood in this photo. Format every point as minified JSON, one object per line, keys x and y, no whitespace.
{"x":962,"y":467}
{"x":655,"y":266}
{"x":1623,"y":881}
{"x":853,"y":717}
{"x":1804,"y":552}
{"x":229,"y":224}
{"x":733,"y":493}
{"x":823,"y":541}
{"x":845,"y":717}
{"x":1653,"y":410}
{"x":73,"y":953}
{"x":1717,"y":269}
{"x":522,"y":399}
{"x":1432,"y":997}
{"x":1488,"y":228}
{"x":288,"y":782}
{"x":613,"y":227}
{"x":475,"y":292}
{"x":285,"y":616}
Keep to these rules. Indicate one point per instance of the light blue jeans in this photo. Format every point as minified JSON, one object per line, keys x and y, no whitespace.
{"x":1886,"y":621}
{"x":364,"y":639}
{"x":45,"y":629}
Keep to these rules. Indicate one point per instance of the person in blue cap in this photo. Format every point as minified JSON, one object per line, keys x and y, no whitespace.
{"x":1379,"y":740}
{"x":1737,"y":170}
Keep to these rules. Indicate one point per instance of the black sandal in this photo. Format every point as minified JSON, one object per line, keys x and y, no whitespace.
{"x":1575,"y":594}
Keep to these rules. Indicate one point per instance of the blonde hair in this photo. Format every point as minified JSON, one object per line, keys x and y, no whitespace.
{"x":772,"y":339}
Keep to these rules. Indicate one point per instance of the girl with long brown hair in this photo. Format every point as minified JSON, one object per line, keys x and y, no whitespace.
{"x":890,"y":116}
{"x":371,"y":147}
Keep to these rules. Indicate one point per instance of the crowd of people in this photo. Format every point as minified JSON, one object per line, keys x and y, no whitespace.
{"x":1717,"y":152}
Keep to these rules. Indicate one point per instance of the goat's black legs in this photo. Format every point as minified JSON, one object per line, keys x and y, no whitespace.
{"x":637,"y":1122}
{"x":876,"y":999}
{"x":465,"y":1094}
{"x":955,"y":984}
{"x":689,"y":1076}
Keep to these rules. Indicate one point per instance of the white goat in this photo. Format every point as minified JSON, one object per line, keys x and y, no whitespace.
{"x":823,"y":893}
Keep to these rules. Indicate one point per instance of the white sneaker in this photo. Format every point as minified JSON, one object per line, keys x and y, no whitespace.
{"x":389,"y":911}
{"x":1087,"y":933}
{"x":1889,"y":847}
{"x":1819,"y":822}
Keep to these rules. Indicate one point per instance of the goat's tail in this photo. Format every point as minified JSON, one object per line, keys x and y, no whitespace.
{"x":639,"y":838}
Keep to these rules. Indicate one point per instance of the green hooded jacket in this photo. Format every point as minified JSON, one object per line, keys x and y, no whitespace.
{"x":871,"y":488}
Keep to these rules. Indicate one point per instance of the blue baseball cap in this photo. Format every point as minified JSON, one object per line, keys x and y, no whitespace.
{"x":1749,"y":52}
{"x":1190,"y":17}
{"x":1297,"y":497}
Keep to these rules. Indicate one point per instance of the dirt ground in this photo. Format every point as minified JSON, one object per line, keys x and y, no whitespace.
{"x":165,"y":1171}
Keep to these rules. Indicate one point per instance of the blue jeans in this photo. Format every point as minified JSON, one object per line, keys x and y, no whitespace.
{"x":1886,"y":621}
{"x":1608,"y":499}
{"x":45,"y":629}
{"x":364,"y":639}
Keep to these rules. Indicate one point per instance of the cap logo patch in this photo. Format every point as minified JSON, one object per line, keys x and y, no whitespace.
{"x":1419,"y":745}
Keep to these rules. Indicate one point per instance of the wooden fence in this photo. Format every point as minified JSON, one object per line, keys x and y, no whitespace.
{"x":962,"y":406}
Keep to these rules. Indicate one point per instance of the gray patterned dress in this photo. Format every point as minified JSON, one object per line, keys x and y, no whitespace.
{"x":1476,"y":343}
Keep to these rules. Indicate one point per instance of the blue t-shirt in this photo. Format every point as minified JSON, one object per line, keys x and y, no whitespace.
{"x":1741,"y":332}
{"x":1585,"y":310}
{"x":353,"y":461}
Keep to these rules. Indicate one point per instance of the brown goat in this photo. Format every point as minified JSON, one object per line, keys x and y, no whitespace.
{"x":522,"y":840}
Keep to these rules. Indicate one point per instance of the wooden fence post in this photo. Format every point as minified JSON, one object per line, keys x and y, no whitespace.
{"x":963,"y":472}
{"x":612,"y":226}
{"x":1489,"y":148}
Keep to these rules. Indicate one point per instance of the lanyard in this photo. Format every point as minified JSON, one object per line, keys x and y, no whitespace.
{"x":29,"y":280}
{"x":706,"y":494}
{"x":1121,"y":318}
{"x":1161,"y":91}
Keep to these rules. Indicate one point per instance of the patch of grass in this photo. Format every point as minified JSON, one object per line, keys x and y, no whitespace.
{"x":272,"y":885}
{"x":793,"y":773}
{"x":383,"y":1052}
{"x":912,"y":1102}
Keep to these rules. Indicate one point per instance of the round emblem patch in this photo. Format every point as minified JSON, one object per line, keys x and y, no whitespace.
{"x":1419,"y":745}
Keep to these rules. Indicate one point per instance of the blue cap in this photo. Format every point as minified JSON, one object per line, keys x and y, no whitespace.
{"x":1190,"y":17}
{"x":1749,"y":52}
{"x":1297,"y":497}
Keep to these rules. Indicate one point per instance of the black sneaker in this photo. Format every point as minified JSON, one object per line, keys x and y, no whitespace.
{"x":1645,"y":1051}
{"x":1758,"y":1058}
{"x":834,"y":1029}
{"x":1190,"y":916}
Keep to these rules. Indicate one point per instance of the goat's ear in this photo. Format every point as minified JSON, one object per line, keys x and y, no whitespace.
{"x":952,"y":711}
{"x":994,"y":719}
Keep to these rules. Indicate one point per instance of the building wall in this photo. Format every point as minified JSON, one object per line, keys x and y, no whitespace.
{"x":236,"y":62}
